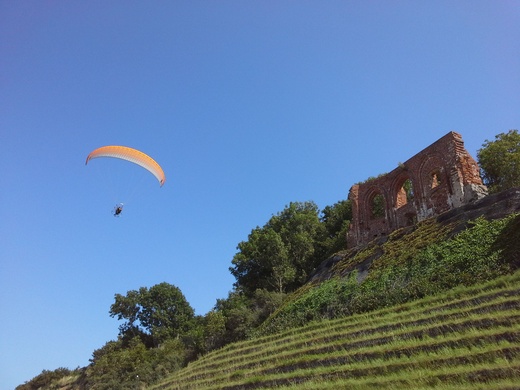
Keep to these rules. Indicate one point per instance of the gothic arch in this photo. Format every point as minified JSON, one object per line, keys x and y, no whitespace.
{"x":376,"y":203}
{"x":433,"y":174}
{"x":404,"y":190}
{"x":436,"y":186}
{"x":438,"y":178}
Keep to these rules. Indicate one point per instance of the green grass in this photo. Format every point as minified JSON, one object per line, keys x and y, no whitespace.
{"x":467,"y":338}
{"x":427,"y":259}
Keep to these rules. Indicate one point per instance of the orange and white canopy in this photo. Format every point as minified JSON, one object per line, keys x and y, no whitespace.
{"x":129,"y":154}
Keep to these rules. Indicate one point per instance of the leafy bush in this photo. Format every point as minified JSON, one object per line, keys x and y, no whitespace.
{"x":116,"y":366}
{"x":499,"y":161}
{"x":49,"y":379}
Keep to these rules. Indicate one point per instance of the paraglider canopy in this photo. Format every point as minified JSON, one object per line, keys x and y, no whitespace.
{"x":129,"y":154}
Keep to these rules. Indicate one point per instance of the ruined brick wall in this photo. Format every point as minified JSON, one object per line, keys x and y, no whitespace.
{"x":441,"y":177}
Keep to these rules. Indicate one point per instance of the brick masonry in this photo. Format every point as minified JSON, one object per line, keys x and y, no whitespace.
{"x":439,"y":178}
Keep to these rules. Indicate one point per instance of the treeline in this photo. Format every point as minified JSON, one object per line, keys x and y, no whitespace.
{"x":160,"y":333}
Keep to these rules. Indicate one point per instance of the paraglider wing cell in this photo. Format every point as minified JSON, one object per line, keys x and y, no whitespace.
{"x":129,"y":154}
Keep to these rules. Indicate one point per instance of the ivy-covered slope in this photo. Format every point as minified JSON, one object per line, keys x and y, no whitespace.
{"x":467,"y":245}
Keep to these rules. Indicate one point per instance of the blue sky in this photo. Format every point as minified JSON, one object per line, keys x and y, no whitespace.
{"x":247,"y":105}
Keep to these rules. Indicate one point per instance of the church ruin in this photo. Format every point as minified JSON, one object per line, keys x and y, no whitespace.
{"x":439,"y":178}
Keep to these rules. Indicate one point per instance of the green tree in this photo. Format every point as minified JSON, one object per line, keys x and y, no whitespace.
{"x":241,"y":314}
{"x":238,"y":316}
{"x":280,"y":255}
{"x":214,"y":330}
{"x":336,"y":220}
{"x":129,"y":365}
{"x":48,"y":379}
{"x":251,"y":263}
{"x":154,"y":314}
{"x":116,"y":367}
{"x":280,"y":270}
{"x":499,"y":161}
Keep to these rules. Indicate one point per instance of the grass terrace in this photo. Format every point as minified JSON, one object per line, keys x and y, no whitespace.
{"x":467,"y":338}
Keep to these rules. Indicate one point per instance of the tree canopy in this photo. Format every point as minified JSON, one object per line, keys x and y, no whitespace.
{"x":155,"y":314}
{"x":281,"y":255}
{"x":499,"y":161}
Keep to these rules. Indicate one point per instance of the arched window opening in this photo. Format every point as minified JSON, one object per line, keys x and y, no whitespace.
{"x":435,"y":179}
{"x":377,"y":206}
{"x":405,"y":194}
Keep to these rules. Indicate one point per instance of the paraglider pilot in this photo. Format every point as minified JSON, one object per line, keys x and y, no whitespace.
{"x":131,"y":155}
{"x":117,"y":210}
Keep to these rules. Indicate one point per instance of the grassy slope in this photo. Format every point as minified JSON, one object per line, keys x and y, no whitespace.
{"x":459,"y":338}
{"x":466,"y":338}
{"x":411,"y":263}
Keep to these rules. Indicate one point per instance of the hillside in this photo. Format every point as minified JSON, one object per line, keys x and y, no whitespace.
{"x":459,"y":325}
{"x":467,"y":338}
{"x":436,"y":304}
{"x":444,"y":226}
{"x":467,"y":245}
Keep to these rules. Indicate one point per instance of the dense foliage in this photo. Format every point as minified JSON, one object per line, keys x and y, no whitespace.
{"x":465,"y":339}
{"x":124,"y":365}
{"x":160,"y":332}
{"x":155,"y":315}
{"x":482,"y":252}
{"x":280,"y":255}
{"x":499,"y":161}
{"x":242,"y":315}
{"x":48,"y":378}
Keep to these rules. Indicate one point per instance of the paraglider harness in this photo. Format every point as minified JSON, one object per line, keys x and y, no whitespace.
{"x":118,"y":209}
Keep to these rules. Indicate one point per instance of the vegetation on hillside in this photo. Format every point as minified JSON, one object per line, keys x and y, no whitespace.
{"x":280,"y":255}
{"x":160,"y":333}
{"x":499,"y":161}
{"x":153,"y":315}
{"x":423,"y":263}
{"x":467,"y":338}
{"x":56,"y":379}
